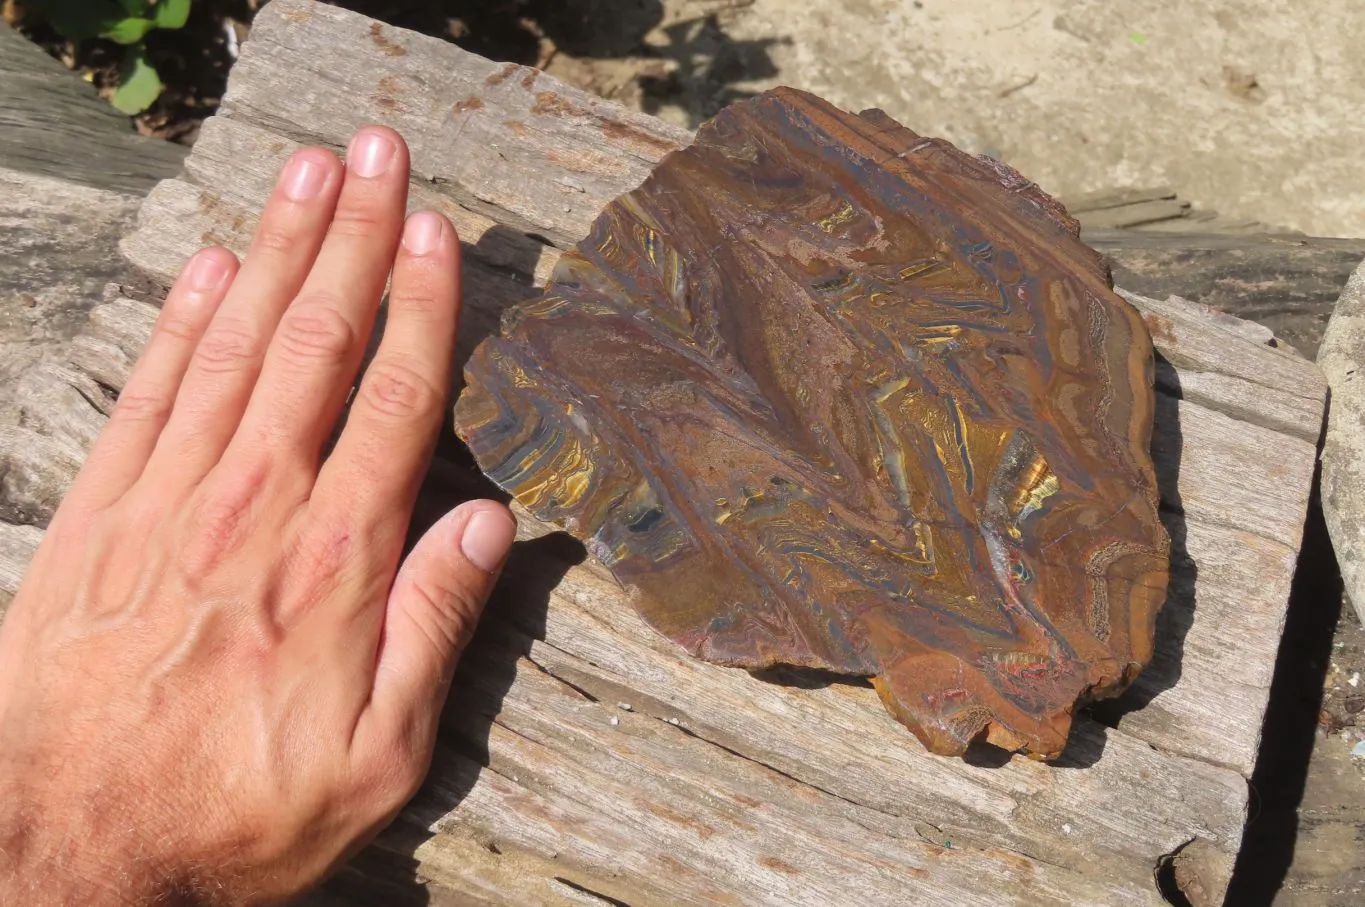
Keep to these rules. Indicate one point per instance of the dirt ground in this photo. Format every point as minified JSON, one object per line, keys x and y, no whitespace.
{"x":1248,"y":108}
{"x":1245,"y":108}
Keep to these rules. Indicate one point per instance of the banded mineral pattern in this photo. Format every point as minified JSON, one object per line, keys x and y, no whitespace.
{"x":825,"y":393}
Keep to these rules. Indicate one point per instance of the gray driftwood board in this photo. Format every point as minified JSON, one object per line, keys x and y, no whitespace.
{"x":583,"y":757}
{"x":53,"y":124}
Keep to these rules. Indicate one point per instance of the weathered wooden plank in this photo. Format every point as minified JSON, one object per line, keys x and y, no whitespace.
{"x":1288,"y":283}
{"x":1194,"y":221}
{"x":1203,"y":695}
{"x":1223,"y":367}
{"x":17,"y":547}
{"x":505,"y":152}
{"x":1151,"y":210}
{"x":514,"y":157}
{"x":72,"y":176}
{"x":53,"y":124}
{"x":35,"y":471}
{"x":831,"y":738}
{"x":221,"y":211}
{"x":1136,"y":214}
{"x":58,"y":249}
{"x":667,"y":806}
{"x":1107,"y":199}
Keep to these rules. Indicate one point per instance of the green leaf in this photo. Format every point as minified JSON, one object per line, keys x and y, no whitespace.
{"x":171,"y":13}
{"x":79,"y":20}
{"x":128,"y":31}
{"x":138,"y":83}
{"x":122,"y":21}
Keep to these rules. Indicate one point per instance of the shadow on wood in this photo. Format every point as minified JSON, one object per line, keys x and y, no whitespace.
{"x":693,"y":63}
{"x":1289,"y":284}
{"x":1177,"y":614}
{"x":386,"y":872}
{"x":508,"y":257}
{"x":1277,"y":785}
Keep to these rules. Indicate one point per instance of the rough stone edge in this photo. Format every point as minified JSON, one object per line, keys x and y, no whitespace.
{"x":1343,"y":455}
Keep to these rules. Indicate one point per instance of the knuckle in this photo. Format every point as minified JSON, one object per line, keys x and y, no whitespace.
{"x":219,"y":529}
{"x":226,"y":348}
{"x":277,"y":239}
{"x":324,"y":550}
{"x":222,"y":517}
{"x":313,"y":330}
{"x":358,"y":218}
{"x":397,"y":391}
{"x":177,"y":325}
{"x":397,"y":767}
{"x":420,"y":300}
{"x":143,"y":406}
{"x":449,"y":615}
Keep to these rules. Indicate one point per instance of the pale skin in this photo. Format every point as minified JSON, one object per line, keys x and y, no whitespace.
{"x":221,"y":677}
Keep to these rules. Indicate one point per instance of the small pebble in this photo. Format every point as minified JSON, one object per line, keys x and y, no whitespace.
{"x":615,"y":721}
{"x":625,"y":706}
{"x":1066,"y":827}
{"x":1354,"y":679}
{"x":672,"y":721}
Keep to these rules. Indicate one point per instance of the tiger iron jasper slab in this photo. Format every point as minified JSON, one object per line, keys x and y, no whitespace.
{"x":825,"y":393}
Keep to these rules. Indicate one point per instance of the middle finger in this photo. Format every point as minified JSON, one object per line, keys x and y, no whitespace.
{"x":317,"y":348}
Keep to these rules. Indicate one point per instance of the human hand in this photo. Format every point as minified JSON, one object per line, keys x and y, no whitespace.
{"x":217,"y":680}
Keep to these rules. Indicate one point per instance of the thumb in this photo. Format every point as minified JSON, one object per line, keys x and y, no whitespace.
{"x":435,"y":604}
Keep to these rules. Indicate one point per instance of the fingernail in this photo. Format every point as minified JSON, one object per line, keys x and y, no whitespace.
{"x":302,"y":178}
{"x":487,"y":538}
{"x":207,"y":272}
{"x":422,"y":234}
{"x":370,"y":154}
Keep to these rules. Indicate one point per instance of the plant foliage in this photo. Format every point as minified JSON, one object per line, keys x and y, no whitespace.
{"x":124,"y":22}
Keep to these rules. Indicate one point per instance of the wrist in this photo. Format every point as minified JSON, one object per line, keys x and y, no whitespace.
{"x":44,"y":861}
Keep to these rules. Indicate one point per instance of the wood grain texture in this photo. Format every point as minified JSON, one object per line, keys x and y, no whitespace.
{"x":1287,"y":283}
{"x":72,"y":173}
{"x":53,"y":124}
{"x":59,"y":250}
{"x":533,"y":781}
{"x":18,"y":544}
{"x":1157,"y":209}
